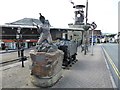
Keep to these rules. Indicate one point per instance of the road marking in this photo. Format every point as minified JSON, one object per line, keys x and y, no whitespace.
{"x":112,"y":64}
{"x":111,"y":77}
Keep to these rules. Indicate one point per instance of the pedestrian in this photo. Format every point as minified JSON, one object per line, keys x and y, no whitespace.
{"x":82,"y":48}
{"x":6,"y":48}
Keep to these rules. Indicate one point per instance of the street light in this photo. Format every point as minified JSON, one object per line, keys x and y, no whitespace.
{"x":18,"y":38}
{"x":20,"y":46}
{"x":86,"y":28}
{"x":18,"y":30}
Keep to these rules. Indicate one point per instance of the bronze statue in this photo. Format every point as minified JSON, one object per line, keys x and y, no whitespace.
{"x":47,"y":59}
{"x":44,"y":43}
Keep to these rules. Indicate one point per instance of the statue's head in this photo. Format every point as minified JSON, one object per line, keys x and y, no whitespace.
{"x":47,"y":22}
{"x":40,"y":14}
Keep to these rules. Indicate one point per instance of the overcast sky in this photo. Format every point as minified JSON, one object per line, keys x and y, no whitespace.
{"x":60,"y":12}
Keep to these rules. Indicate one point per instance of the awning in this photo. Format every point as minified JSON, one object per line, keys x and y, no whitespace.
{"x":8,"y":41}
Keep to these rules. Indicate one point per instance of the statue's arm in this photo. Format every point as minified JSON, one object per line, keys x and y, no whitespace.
{"x":39,"y":28}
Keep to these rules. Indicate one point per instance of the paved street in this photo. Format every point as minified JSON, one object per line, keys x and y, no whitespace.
{"x":88,"y":72}
{"x":111,"y":52}
{"x":9,"y":56}
{"x":12,"y":56}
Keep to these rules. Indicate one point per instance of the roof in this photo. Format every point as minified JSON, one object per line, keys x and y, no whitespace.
{"x":16,"y":26}
{"x":25,"y":21}
{"x":28,"y":23}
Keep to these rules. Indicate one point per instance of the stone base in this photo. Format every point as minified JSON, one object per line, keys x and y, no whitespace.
{"x":46,"y":82}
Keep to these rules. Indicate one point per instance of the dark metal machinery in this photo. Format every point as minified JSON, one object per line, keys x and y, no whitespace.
{"x":70,"y":51}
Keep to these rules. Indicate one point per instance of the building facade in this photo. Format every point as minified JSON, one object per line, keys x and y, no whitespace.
{"x":97,"y":35}
{"x":29,"y":35}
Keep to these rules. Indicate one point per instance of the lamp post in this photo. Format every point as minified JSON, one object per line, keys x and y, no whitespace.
{"x":18,"y":39}
{"x":86,"y":28}
{"x":20,"y":46}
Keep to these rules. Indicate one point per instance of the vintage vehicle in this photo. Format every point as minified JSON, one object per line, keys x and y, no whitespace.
{"x":70,"y":51}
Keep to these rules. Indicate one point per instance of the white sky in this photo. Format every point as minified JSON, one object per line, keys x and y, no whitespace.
{"x":60,"y":12}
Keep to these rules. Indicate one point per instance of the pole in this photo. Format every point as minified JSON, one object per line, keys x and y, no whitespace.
{"x":18,"y":44}
{"x":18,"y":48}
{"x":86,"y":11}
{"x":86,"y":31}
{"x":22,"y":56}
{"x":22,"y":51}
{"x":92,"y":43}
{"x":93,"y":28}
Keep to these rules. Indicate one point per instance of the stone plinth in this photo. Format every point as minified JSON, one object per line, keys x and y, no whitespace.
{"x":46,"y":67}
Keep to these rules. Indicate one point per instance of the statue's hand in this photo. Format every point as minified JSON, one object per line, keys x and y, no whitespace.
{"x":38,"y":26}
{"x":34,"y":24}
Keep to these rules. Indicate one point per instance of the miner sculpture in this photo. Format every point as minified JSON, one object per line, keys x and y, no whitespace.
{"x":47,"y":60}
